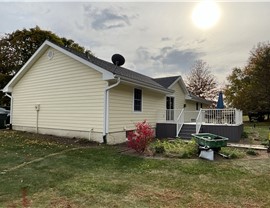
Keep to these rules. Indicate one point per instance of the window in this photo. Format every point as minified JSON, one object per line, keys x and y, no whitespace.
{"x":137,"y":100}
{"x":197,"y":106}
{"x":169,"y":108}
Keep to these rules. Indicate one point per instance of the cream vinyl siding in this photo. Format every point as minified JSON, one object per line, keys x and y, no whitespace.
{"x":70,"y":94}
{"x":121,"y":112}
{"x":191,"y":105}
{"x":179,"y":96}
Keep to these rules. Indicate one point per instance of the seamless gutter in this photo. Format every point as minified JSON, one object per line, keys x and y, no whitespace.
{"x":149,"y":86}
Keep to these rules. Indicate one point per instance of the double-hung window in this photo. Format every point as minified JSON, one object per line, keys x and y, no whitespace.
{"x":137,"y":100}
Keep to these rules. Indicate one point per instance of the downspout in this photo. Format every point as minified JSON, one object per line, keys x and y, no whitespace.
{"x":11,"y":109}
{"x":106,"y":110}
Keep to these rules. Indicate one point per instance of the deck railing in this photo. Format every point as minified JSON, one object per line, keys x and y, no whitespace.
{"x":199,"y":121}
{"x":230,"y":116}
{"x":180,"y":122}
{"x":172,"y":114}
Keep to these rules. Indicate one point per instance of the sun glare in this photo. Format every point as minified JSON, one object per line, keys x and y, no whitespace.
{"x":206,"y":14}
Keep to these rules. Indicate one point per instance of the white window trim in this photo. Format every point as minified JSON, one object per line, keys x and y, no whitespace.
{"x":134,"y":99}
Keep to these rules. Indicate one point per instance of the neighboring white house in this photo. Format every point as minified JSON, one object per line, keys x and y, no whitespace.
{"x":66,"y":93}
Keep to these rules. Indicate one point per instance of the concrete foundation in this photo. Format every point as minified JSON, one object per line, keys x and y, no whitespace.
{"x":90,"y":135}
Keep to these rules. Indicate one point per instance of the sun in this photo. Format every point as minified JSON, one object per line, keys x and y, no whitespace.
{"x":206,"y":14}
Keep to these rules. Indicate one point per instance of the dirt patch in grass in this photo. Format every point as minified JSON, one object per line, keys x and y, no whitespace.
{"x":62,"y":202}
{"x":261,"y":154}
{"x":164,"y":197}
{"x":56,"y":139}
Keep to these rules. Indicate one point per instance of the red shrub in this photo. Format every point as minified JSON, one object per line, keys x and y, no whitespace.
{"x":141,"y":137}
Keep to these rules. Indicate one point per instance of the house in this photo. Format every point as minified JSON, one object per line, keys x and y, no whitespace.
{"x":66,"y":93}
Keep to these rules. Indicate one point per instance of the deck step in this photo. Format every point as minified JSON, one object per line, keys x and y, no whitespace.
{"x":187,"y":130}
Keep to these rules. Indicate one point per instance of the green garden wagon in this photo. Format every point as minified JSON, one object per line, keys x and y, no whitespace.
{"x":210,"y":141}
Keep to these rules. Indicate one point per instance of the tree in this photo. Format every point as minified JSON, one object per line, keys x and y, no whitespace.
{"x":249,"y":88}
{"x":234,"y":88}
{"x":17,"y":47}
{"x":201,"y":82}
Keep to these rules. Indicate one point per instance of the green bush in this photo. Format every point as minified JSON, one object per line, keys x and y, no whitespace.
{"x":251,"y":152}
{"x":159,"y":148}
{"x":244,"y":135}
{"x":232,"y":153}
{"x":175,"y":148}
{"x":265,"y":142}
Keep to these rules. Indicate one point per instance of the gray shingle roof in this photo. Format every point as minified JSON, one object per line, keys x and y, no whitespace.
{"x":118,"y":71}
{"x":124,"y":72}
{"x":166,"y":81}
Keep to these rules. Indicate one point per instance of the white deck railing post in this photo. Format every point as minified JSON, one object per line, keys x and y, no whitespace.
{"x":179,"y":122}
{"x":199,"y":121}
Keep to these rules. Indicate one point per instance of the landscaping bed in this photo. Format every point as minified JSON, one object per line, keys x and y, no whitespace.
{"x":204,"y":145}
{"x":182,"y":149}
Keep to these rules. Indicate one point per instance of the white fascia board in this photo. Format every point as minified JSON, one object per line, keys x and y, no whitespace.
{"x":130,"y":81}
{"x":187,"y":97}
{"x":8,"y":88}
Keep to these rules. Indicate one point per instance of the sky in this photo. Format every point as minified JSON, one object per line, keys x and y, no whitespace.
{"x":156,"y":38}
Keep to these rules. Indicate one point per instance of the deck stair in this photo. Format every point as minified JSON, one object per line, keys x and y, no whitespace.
{"x":187,"y":130}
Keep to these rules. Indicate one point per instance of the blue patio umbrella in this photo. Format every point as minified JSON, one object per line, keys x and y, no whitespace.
{"x":220,"y":103}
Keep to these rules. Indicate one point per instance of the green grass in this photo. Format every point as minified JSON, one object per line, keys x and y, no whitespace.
{"x":99,"y":176}
{"x":233,"y":153}
{"x":257,"y":132}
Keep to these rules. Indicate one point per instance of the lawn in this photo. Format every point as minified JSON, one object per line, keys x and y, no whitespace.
{"x":257,"y":132}
{"x":39,"y":171}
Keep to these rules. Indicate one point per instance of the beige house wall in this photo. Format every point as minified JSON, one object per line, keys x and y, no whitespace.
{"x":121,"y":114}
{"x":180,"y":102}
{"x":69,"y":93}
{"x":70,"y":99}
{"x":179,"y":96}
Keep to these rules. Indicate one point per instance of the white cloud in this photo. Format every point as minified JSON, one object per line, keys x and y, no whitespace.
{"x":155,"y":38}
